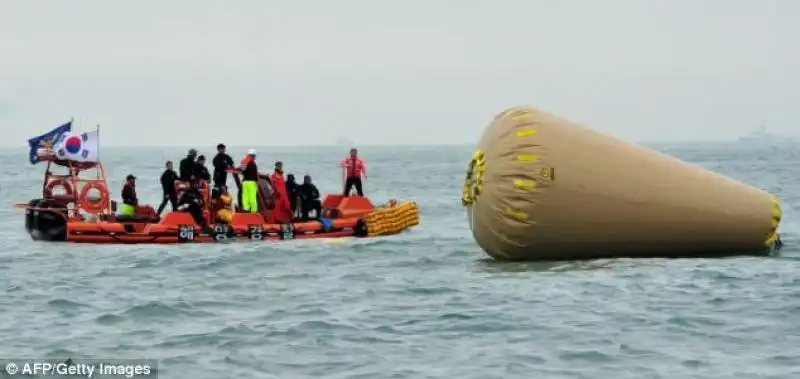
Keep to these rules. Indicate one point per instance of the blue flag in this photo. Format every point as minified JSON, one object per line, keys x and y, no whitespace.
{"x":46,"y":141}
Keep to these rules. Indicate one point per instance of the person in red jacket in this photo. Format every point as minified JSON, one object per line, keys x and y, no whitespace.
{"x":354,"y":169}
{"x":283,"y":209}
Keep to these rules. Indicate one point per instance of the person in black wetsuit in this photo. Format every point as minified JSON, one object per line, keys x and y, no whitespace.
{"x":168,"y":179}
{"x":200,"y":170}
{"x":186,"y":167}
{"x":309,"y":198}
{"x":221,"y":162}
{"x":292,"y":189}
{"x":192,"y":201}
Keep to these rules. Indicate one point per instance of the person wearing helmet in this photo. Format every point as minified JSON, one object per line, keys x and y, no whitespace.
{"x":250,"y":182}
{"x":186,"y":168}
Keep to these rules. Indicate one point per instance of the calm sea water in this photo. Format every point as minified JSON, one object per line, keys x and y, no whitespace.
{"x":424,"y":304}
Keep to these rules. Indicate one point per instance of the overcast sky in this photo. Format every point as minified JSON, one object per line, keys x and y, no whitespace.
{"x":289,"y":72}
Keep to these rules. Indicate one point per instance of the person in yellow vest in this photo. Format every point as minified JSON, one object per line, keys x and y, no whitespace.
{"x":222,"y":204}
{"x":129,"y":198}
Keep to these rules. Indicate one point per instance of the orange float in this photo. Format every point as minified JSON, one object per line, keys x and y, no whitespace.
{"x":85,"y":220}
{"x":58,"y":182}
{"x":94,"y":206}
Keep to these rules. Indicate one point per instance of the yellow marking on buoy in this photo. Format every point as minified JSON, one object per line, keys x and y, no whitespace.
{"x":522,"y":116}
{"x":526,"y":132}
{"x":772,"y":239}
{"x":519,"y":215}
{"x":776,"y":220}
{"x":505,"y":113}
{"x":528,"y":157}
{"x":524,"y":184}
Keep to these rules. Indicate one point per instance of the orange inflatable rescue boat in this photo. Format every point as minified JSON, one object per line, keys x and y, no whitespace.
{"x":82,"y":211}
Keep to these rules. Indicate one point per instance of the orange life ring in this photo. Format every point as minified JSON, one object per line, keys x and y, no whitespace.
{"x":94,"y":206}
{"x":48,"y":190}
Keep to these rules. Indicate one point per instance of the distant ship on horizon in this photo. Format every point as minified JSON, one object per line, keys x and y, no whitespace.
{"x":344,"y":142}
{"x":762,"y":136}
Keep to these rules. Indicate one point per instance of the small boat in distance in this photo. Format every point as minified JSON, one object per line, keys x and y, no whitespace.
{"x":762,"y":137}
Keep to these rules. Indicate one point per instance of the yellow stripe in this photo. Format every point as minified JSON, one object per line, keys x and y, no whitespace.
{"x":526,"y":132}
{"x":506,"y":112}
{"x":524,"y":184}
{"x":519,"y":215}
{"x":528,"y":157}
{"x":770,"y":242}
{"x":522,"y":116}
{"x":776,"y":220}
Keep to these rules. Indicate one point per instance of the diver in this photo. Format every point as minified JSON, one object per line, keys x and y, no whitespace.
{"x":129,"y":199}
{"x":249,"y":182}
{"x":283,"y":209}
{"x":355,"y":169}
{"x":168,"y":179}
{"x":221,"y":162}
{"x":291,"y":190}
{"x":309,"y":199}
{"x":186,"y":167}
{"x":191,"y":201}
{"x":200,"y":170}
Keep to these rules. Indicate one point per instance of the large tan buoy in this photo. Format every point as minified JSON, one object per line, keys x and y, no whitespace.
{"x":540,"y":187}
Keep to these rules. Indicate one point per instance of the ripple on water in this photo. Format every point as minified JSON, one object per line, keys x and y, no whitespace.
{"x":157,"y":310}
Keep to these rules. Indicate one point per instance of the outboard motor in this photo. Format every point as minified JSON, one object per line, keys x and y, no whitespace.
{"x":46,"y":220}
{"x":29,"y":224}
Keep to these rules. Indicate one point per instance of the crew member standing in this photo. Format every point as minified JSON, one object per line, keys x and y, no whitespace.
{"x":129,"y":198}
{"x":354,"y":168}
{"x":221,"y":162}
{"x":168,"y":179}
{"x":249,"y":183}
{"x":186,"y":167}
{"x":283,"y":208}
{"x":309,"y":199}
{"x":200,"y":170}
{"x":292,"y":189}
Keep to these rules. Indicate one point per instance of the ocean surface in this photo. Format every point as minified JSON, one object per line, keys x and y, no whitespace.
{"x":424,"y":304}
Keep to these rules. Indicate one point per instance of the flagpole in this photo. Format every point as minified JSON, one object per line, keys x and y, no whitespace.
{"x":98,"y":142}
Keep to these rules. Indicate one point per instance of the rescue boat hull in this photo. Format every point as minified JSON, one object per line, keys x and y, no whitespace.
{"x":133,"y":233}
{"x":194,"y":234}
{"x":48,"y":220}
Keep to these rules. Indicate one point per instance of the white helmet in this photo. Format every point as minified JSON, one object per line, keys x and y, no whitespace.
{"x":252,"y":152}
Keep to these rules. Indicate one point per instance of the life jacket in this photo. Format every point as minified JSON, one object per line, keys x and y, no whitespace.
{"x":247,"y":159}
{"x":355,"y":166}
